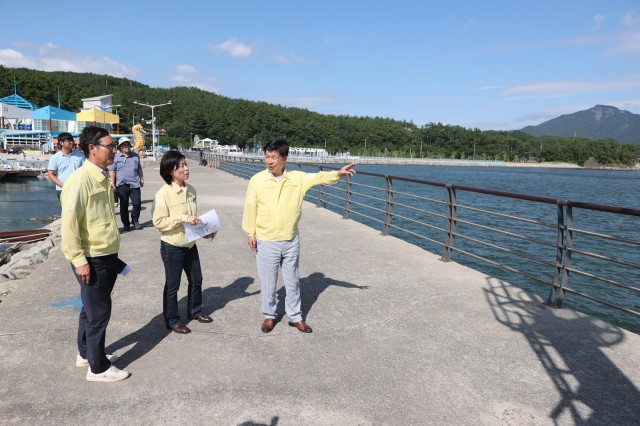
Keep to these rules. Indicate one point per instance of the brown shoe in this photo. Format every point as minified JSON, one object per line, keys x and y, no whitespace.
{"x":202,"y":318}
{"x":267,"y":325}
{"x":181,"y":329}
{"x":301,"y":326}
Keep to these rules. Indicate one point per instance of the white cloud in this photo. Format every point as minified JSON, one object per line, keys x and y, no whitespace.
{"x":233,"y":48}
{"x":629,"y":44}
{"x":287,"y":59}
{"x":631,"y":20}
{"x":598,"y":20}
{"x":13,"y":58}
{"x":189,"y":76}
{"x":186,"y":69}
{"x":487,"y":88}
{"x":51,"y":57}
{"x":471,"y":22}
{"x":561,"y":88}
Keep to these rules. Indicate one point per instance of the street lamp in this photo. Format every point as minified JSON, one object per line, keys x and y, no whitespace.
{"x":153,"y":123}
{"x":104,"y":116}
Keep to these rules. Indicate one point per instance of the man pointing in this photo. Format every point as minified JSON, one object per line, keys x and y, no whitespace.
{"x":272,"y":211}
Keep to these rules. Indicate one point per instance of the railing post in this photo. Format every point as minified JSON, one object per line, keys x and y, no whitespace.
{"x":560,"y":248}
{"x":452,"y":215}
{"x":389,"y":211}
{"x":347,"y":199}
{"x":567,"y":263}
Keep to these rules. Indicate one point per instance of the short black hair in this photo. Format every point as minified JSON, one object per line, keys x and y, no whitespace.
{"x":279,"y":145}
{"x":170,"y":161}
{"x":91,"y":135}
{"x":64,"y":136}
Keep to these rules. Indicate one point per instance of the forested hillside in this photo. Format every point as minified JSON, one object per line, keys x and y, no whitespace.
{"x":247,"y":123}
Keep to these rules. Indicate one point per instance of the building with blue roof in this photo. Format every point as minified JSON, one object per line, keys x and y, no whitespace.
{"x":54,"y":120}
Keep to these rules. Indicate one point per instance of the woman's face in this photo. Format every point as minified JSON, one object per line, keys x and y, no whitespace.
{"x":180,"y":173}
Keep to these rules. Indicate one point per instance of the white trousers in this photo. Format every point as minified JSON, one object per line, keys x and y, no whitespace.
{"x":272,"y":256}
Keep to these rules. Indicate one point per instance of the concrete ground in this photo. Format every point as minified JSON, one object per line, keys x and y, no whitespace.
{"x":399,"y":338}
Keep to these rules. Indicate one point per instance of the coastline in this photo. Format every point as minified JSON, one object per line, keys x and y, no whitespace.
{"x":32,"y":156}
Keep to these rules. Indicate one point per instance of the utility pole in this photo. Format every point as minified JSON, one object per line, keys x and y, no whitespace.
{"x":154,"y":135}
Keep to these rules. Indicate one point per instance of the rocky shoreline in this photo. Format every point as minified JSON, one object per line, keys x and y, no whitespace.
{"x":19,"y":260}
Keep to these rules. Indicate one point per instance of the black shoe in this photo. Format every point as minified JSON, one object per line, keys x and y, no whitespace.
{"x":126,"y":229}
{"x":137,"y":225}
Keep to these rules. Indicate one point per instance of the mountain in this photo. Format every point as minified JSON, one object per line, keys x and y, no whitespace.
{"x":598,"y":123}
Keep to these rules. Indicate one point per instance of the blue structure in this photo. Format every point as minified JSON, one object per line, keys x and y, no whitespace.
{"x":19,"y":101}
{"x":54,"y":120}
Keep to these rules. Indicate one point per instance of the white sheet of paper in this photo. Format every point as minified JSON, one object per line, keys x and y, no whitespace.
{"x":210,"y":224}
{"x":125,"y":271}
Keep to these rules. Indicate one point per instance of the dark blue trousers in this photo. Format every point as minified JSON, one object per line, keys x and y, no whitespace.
{"x":177,"y":259}
{"x":96,"y":310}
{"x":124,"y":193}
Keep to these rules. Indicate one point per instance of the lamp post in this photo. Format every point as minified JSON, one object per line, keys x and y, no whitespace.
{"x":153,"y":124}
{"x":104,"y":115}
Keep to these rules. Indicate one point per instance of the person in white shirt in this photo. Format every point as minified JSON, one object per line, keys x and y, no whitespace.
{"x":64,"y":162}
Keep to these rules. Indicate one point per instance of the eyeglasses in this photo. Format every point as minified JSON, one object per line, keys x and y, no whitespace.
{"x":111,"y":146}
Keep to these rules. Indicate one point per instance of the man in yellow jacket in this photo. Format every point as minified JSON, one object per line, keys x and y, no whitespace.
{"x":272,"y":211}
{"x":90,"y":241}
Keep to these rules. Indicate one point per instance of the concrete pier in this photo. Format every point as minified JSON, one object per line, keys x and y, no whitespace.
{"x":400,"y":338}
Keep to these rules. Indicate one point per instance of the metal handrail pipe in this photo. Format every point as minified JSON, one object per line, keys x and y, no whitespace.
{"x":505,"y":267}
{"x":606,"y":258}
{"x":506,"y":216}
{"x":511,"y":234}
{"x":426,"y":225}
{"x":440,"y":243}
{"x":415,"y":209}
{"x":368,"y":217}
{"x":506,"y":250}
{"x":604,"y":280}
{"x":604,"y":302}
{"x":605,"y":236}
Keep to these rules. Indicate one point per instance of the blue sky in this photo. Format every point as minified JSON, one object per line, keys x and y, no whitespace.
{"x":490,"y":65}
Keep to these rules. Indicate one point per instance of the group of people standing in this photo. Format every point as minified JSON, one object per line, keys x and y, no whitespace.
{"x":91,"y":239}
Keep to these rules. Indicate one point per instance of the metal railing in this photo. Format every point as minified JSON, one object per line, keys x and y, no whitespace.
{"x":546,"y":241}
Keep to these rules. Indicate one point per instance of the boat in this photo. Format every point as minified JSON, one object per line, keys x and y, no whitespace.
{"x":27,"y":235}
{"x":25,"y":173}
{"x":22,"y":169}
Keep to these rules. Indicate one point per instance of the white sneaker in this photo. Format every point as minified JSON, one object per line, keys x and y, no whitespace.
{"x":113,"y":374}
{"x":83,"y":362}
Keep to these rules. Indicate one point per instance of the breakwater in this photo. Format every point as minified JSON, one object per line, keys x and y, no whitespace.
{"x":399,"y":338}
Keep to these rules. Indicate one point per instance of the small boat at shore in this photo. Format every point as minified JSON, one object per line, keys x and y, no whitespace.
{"x":22,"y":169}
{"x":27,"y":235}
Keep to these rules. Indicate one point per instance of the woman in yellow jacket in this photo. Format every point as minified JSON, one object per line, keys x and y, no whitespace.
{"x":173,"y":206}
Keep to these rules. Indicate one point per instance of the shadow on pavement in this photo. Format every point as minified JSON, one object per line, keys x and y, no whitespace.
{"x":591,"y":388}
{"x":152,"y":333}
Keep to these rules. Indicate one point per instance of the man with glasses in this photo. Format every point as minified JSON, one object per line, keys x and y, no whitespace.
{"x":272,"y":210}
{"x":64,"y":162}
{"x":91,"y":241}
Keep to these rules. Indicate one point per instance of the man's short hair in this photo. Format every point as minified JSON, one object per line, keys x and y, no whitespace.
{"x":64,"y":136}
{"x":91,"y":135}
{"x":279,"y":145}
{"x":170,"y":161}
